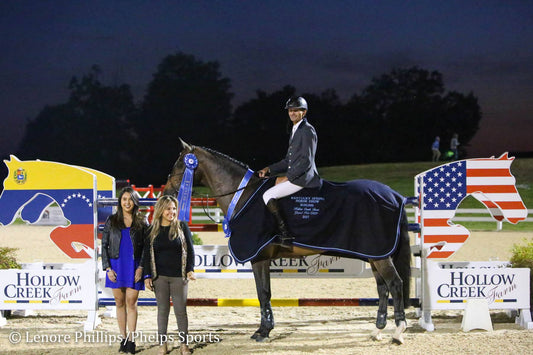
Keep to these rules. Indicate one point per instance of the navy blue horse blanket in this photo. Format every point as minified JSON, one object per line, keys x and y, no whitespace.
{"x":358,"y":219}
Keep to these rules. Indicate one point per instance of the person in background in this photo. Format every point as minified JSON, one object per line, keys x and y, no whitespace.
{"x":435,"y":149}
{"x":454,"y":144}
{"x":298,"y":165}
{"x":122,"y":259}
{"x":169,"y":262}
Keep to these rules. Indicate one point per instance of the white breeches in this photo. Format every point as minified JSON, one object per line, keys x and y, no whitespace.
{"x":283,"y":189}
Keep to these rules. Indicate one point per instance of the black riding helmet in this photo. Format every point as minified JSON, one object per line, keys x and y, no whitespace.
{"x":296,"y":102}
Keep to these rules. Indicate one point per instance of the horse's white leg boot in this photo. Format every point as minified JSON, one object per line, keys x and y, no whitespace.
{"x":397,"y":337}
{"x":377,"y":335}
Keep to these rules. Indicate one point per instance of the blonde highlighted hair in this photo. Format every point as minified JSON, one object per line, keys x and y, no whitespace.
{"x":175,"y":228}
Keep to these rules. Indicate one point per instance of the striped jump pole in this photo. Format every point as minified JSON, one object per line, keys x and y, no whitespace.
{"x":276,"y":302}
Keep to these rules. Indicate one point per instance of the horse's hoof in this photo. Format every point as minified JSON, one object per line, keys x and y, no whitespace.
{"x":261,"y":338}
{"x":377,"y":335}
{"x":260,"y":335}
{"x":399,"y":340}
{"x":397,"y":337}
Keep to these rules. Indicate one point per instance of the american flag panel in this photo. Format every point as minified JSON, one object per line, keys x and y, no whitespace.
{"x":488,"y":180}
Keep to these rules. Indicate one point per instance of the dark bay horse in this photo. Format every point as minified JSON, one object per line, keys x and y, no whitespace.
{"x":223,"y":174}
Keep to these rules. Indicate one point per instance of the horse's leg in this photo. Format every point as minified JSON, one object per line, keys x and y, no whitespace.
{"x":388,"y":272}
{"x":402,"y":260}
{"x":383,"y":293}
{"x":261,"y":270}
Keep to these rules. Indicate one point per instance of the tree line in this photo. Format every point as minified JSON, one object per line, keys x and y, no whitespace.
{"x":395,"y":118}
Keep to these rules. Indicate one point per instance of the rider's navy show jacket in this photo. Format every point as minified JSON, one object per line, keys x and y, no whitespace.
{"x":299,"y":163}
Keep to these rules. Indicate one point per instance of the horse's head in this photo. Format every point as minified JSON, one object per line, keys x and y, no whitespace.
{"x":490,"y":181}
{"x":176,"y":174}
{"x":33,"y":184}
{"x":215,"y":170}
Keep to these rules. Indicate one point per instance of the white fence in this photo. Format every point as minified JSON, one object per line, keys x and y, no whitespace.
{"x":461,"y":215}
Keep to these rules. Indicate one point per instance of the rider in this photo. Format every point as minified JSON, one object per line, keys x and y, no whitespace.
{"x":298,"y":164}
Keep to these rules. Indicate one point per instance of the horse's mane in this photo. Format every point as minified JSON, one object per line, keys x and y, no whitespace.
{"x":225,"y":157}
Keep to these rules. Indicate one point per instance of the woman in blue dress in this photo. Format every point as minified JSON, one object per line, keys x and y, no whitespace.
{"x":122,"y":258}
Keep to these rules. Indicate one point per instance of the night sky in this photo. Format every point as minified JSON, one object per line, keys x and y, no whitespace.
{"x":481,"y":46}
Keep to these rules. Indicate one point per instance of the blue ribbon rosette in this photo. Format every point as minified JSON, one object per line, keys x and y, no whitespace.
{"x":185,"y":192}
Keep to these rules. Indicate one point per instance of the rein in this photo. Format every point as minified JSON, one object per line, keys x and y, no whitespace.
{"x":217,"y":196}
{"x":205,"y":206}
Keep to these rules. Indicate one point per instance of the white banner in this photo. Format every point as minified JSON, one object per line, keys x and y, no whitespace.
{"x":216,"y":262}
{"x":474,"y":264}
{"x":47,"y":289}
{"x":503,"y":288}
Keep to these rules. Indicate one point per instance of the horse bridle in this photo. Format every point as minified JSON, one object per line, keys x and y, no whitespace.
{"x":205,"y":206}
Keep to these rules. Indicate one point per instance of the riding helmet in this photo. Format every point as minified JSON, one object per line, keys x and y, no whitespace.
{"x":296,"y":102}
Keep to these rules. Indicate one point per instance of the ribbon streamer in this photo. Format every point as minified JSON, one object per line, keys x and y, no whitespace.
{"x":234,"y":200}
{"x":185,"y":192}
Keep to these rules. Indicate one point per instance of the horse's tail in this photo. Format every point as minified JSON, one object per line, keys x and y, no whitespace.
{"x":402,"y":259}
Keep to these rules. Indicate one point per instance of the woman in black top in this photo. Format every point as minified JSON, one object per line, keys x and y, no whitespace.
{"x":169,"y":264}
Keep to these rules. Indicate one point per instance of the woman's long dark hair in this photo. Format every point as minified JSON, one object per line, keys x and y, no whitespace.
{"x":117,"y":219}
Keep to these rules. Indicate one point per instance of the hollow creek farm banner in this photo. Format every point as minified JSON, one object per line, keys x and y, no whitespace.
{"x":47,"y":289}
{"x":502,"y":287}
{"x":215,"y":261}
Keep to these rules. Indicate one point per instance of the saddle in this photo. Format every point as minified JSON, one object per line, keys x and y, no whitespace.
{"x":358,"y":219}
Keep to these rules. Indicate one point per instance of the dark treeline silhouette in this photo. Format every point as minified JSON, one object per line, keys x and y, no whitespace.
{"x":395,"y":118}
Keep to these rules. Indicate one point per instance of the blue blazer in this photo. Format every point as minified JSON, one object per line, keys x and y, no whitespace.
{"x":299,"y":163}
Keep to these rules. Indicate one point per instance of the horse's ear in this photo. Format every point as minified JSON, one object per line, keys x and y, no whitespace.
{"x":11,"y":159}
{"x":185,"y":145}
{"x":505,"y":156}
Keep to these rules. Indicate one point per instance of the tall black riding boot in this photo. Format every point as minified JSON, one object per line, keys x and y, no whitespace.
{"x":285,"y":238}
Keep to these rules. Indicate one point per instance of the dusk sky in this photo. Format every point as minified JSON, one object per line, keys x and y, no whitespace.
{"x":481,"y":46}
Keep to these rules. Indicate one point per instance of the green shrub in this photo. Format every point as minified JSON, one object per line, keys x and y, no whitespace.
{"x":522,"y":257}
{"x":196,"y":239}
{"x":8,"y":259}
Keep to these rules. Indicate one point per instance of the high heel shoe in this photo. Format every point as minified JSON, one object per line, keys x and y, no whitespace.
{"x":162,"y":349}
{"x":185,"y":349}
